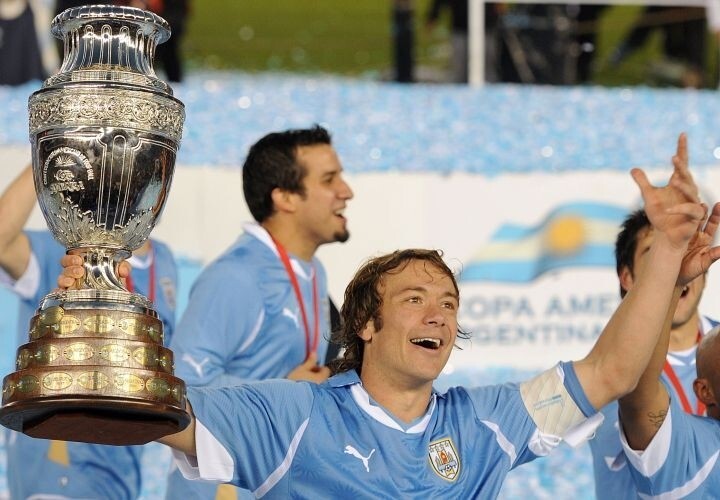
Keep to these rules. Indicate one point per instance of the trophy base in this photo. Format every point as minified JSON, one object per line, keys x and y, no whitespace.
{"x":94,"y":419}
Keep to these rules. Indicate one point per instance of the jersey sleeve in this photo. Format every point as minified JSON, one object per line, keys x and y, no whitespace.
{"x":556,"y":402}
{"x":680,"y":457}
{"x":538,"y":414}
{"x":224,"y":312}
{"x":247,"y":435}
{"x":27,"y":285}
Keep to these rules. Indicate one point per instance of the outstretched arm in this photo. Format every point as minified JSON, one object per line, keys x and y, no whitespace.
{"x":643,"y":411}
{"x":16,"y":205}
{"x":614,"y":365}
{"x":183,"y":441}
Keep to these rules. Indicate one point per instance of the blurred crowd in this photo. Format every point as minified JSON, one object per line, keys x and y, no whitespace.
{"x":28,"y":51}
{"x":523,"y":43}
{"x":557,"y":43}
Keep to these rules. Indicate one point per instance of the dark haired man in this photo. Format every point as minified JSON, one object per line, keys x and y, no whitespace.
{"x":261,"y":309}
{"x":378,"y":429}
{"x":612,"y":476}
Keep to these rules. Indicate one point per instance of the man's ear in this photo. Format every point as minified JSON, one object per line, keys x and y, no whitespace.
{"x":368,"y":331}
{"x":704,"y":392}
{"x":626,"y":278}
{"x":283,"y":200}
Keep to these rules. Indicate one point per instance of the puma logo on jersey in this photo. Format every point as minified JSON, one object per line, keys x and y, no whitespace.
{"x":198,"y":367}
{"x":293,"y":316}
{"x":350,"y":450}
{"x":615,"y":463}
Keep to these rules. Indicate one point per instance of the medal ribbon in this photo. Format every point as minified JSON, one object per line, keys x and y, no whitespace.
{"x":151,"y":279}
{"x":285,"y":259}
{"x":675,"y":381}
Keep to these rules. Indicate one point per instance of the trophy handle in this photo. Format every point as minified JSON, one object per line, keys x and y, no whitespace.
{"x":101,"y":268}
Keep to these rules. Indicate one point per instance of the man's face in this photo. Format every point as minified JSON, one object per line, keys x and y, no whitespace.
{"x":321,"y":210}
{"x":692,"y":293}
{"x":419,"y":326}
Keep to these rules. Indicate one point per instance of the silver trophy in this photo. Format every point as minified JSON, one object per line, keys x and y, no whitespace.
{"x":105,"y":133}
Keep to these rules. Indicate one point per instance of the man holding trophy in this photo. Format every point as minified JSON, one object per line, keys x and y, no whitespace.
{"x":93,"y":368}
{"x":102,"y":162}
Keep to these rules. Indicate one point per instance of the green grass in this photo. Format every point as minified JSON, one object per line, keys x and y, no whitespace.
{"x":353,"y":37}
{"x":338,"y":36}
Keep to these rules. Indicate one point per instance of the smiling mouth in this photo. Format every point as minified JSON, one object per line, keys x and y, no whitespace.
{"x":427,"y":343}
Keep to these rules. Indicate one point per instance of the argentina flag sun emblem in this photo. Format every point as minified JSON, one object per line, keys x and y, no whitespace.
{"x":444,"y":459}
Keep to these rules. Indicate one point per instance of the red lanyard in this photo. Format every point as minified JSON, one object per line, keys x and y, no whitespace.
{"x":670,"y":373}
{"x":309,"y":346}
{"x":151,"y":280}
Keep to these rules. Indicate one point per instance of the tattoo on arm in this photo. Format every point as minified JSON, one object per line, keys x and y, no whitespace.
{"x":657,"y":418}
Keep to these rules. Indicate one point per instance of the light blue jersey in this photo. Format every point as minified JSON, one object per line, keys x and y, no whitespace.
{"x":612,"y":475}
{"x":77,"y":470}
{"x":243,"y":323}
{"x":284,"y":439}
{"x":681,"y":461}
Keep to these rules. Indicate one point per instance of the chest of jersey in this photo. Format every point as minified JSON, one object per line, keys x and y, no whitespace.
{"x":362,"y":458}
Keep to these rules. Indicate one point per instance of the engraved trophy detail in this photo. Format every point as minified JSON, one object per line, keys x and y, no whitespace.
{"x":104,"y":133}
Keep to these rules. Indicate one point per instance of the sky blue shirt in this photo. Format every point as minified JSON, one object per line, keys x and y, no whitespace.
{"x":79,"y":470}
{"x":284,"y":439}
{"x":243,"y":323}
{"x":612,"y":476}
{"x":681,"y":461}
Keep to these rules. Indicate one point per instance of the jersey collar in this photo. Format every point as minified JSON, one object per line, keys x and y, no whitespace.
{"x":351,"y":380}
{"x":257,"y":231}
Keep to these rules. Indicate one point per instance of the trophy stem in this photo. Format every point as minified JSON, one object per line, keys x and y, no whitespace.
{"x":101,"y":267}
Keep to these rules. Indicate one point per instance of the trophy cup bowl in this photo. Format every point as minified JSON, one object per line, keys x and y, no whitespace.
{"x":104,"y":133}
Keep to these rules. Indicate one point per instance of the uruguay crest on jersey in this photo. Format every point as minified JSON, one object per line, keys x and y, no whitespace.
{"x":444,"y":459}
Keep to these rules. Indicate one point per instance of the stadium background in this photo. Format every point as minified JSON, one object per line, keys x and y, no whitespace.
{"x":523,"y":187}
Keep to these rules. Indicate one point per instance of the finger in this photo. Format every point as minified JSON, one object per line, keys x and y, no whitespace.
{"x":713,"y":221}
{"x":681,"y":152}
{"x":124,"y":269}
{"x":71,"y":260}
{"x":692,"y":210}
{"x":687,"y":187}
{"x":641,"y":180}
{"x":65,"y":282}
{"x":73,"y":272}
{"x":714,"y":254}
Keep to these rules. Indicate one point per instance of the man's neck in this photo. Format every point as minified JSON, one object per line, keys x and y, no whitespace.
{"x":685,"y":336}
{"x":292,"y":240}
{"x":405,"y":403}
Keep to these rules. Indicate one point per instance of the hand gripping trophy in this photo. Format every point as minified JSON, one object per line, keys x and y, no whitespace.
{"x":104,"y":132}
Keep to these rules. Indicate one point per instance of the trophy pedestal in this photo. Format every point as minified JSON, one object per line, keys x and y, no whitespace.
{"x":95,"y":370}
{"x":90,"y":419}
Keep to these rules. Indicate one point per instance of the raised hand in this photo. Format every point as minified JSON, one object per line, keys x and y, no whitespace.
{"x":674,"y":210}
{"x":700,"y":253}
